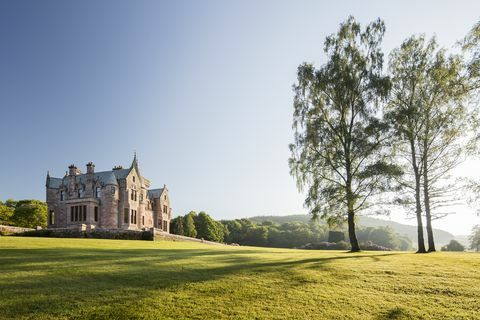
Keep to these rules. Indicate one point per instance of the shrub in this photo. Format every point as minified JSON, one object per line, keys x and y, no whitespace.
{"x":453,"y":245}
{"x":370,"y":246}
{"x":342,"y":245}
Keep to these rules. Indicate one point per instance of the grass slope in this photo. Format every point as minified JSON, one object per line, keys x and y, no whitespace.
{"x":46,"y":278}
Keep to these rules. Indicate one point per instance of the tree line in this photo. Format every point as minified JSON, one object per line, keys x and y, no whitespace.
{"x":271,"y":234}
{"x":367,"y":137}
{"x":23,"y":213}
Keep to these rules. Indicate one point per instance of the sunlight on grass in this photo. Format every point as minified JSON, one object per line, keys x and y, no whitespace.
{"x":42,"y":278}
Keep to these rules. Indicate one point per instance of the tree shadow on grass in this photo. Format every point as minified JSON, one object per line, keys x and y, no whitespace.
{"x":396,"y":313}
{"x":58,"y":282}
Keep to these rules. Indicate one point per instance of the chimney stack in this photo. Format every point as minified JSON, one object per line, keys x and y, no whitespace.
{"x":72,"y":170}
{"x":90,"y":167}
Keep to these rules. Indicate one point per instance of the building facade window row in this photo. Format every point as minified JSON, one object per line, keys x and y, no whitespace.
{"x":78,"y":213}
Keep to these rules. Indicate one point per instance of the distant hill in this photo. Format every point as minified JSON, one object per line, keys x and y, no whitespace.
{"x":441,"y":237}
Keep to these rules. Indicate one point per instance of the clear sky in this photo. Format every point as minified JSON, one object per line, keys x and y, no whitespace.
{"x":200,"y":89}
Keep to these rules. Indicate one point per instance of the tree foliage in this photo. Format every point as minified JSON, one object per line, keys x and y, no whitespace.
{"x":176,"y":225}
{"x":453,"y":245}
{"x":474,"y":238}
{"x":208,"y":229}
{"x":339,"y":149}
{"x":28,"y":213}
{"x":189,"y":228}
{"x":427,"y":108}
{"x":6,"y":213}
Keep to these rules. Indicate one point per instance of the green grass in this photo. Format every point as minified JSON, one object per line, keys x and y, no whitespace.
{"x":46,"y":278}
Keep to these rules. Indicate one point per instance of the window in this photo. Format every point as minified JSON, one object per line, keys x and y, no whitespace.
{"x":51,"y":217}
{"x":78,"y":213}
{"x":133,"y":216}
{"x":133,"y":178}
{"x":62,"y":196}
{"x":131,"y":194}
{"x":96,"y":214}
{"x":113,"y":190}
{"x":143,"y":220}
{"x":165,"y":208}
{"x":165,"y":197}
{"x":125,"y":215}
{"x":165,"y":225}
{"x":135,"y":195}
{"x":141,"y":196}
{"x":80,"y":193}
{"x":97,"y":192}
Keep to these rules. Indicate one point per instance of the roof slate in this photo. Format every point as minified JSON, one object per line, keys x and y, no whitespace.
{"x":155,"y":193}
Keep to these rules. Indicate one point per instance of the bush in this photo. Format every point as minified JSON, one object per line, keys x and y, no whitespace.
{"x":370,"y":246}
{"x":342,"y":245}
{"x":453,"y":245}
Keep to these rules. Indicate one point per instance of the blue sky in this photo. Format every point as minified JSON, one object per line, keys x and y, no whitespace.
{"x":200,"y":89}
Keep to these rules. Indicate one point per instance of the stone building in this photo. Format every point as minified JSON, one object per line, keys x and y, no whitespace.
{"x":116,"y":199}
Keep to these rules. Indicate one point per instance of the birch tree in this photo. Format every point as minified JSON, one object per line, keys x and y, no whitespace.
{"x":339,"y":154}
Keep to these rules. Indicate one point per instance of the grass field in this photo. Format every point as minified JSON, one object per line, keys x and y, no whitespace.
{"x":46,"y":278}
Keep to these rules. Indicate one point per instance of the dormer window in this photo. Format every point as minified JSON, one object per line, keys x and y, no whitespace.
{"x":62,"y":195}
{"x":113,"y":190}
{"x":80,"y":193}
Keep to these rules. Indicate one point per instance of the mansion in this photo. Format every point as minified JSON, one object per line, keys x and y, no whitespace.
{"x":116,"y":199}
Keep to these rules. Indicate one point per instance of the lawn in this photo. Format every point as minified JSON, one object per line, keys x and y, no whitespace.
{"x":47,"y":278}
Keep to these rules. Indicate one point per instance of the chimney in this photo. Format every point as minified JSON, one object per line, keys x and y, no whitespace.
{"x":72,"y":170}
{"x":90,"y":167}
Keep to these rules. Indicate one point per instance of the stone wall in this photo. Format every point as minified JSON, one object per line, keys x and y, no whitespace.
{"x":13,"y":230}
{"x":161,"y":235}
{"x":83,"y":231}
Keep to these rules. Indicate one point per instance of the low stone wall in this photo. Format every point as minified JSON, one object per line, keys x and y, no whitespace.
{"x":162,"y":235}
{"x":13,"y":230}
{"x":84,"y":231}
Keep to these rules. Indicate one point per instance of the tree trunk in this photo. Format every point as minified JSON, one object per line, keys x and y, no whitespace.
{"x":418,"y":204}
{"x":351,"y":231}
{"x":426,"y":199}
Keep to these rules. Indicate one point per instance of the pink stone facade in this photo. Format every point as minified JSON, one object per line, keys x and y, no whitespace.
{"x":120,"y":198}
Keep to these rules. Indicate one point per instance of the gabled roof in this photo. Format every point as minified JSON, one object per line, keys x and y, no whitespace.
{"x":155,"y":193}
{"x":54,"y":183}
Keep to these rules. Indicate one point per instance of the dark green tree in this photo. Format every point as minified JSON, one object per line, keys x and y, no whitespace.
{"x":208,"y":229}
{"x":30,"y":214}
{"x":453,"y":245}
{"x":189,"y":229}
{"x":6,"y":214}
{"x":339,"y":152}
{"x":176,"y":225}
